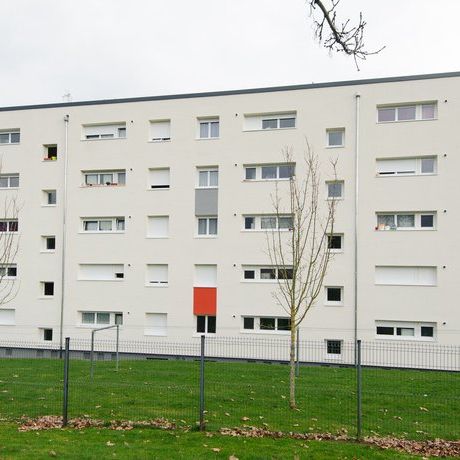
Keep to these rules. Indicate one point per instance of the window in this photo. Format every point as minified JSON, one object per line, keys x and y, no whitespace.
{"x":158,"y":227}
{"x":9,"y":225}
{"x":48,"y":335}
{"x":413,"y":166}
{"x":156,"y":324}
{"x":335,"y":243}
{"x":160,"y":130}
{"x":101,"y":318}
{"x":335,"y":137}
{"x":50,"y":197}
{"x":334,"y":189}
{"x":266,"y":274}
{"x":47,"y":288}
{"x":268,"y":222}
{"x":406,"y":221}
{"x":402,"y":330}
{"x":157,"y":275}
{"x":410,"y":112}
{"x":159,"y":178}
{"x":334,"y":347}
{"x":8,"y":271}
{"x":49,"y":243}
{"x":266,"y":324}
{"x":9,"y":180}
{"x":207,"y":226}
{"x":208,"y":128}
{"x":334,"y":295}
{"x":104,"y":178}
{"x":7,"y":317}
{"x":206,"y":324}
{"x":104,"y":131}
{"x":205,"y":276}
{"x":406,"y":276}
{"x":101,"y":272}
{"x":103,"y":224}
{"x":270,"y":172}
{"x":208,"y":178}
{"x":268,"y":121}
{"x":50,"y":152}
{"x":10,"y":137}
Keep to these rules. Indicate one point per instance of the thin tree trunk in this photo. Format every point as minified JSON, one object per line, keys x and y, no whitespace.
{"x":292,"y":402}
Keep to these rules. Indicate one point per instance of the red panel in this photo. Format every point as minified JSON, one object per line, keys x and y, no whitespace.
{"x":205,"y":301}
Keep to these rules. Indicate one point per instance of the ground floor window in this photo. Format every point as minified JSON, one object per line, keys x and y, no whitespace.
{"x":334,"y":347}
{"x":266,"y":323}
{"x":206,"y":324}
{"x":402,"y":330}
{"x":48,"y":335}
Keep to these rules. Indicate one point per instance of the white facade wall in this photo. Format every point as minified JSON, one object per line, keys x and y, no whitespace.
{"x":150,"y":308}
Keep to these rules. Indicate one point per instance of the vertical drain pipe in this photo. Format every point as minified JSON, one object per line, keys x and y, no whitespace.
{"x":64,"y":215}
{"x":355,"y":314}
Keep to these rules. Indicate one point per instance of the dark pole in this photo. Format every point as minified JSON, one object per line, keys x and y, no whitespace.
{"x":65,"y":402}
{"x":202,"y":422}
{"x":297,"y":364}
{"x":358,"y":391}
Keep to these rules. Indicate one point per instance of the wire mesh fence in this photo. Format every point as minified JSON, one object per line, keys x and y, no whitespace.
{"x":399,"y":389}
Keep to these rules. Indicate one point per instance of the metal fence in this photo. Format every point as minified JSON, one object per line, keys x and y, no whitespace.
{"x":401,"y":389}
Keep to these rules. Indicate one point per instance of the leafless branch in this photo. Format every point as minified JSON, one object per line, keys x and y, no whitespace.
{"x":338,"y":36}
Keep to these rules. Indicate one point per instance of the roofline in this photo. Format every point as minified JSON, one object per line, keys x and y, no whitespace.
{"x":270,"y":89}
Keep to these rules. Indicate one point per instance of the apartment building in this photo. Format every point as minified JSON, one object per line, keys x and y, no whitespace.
{"x":152,"y":213}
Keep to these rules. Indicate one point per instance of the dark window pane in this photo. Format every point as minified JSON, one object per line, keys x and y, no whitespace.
{"x":250,"y":173}
{"x":406,"y":113}
{"x":427,"y":331}
{"x":48,"y":288}
{"x":334,"y":294}
{"x":284,"y":324}
{"x":383,"y":330}
{"x":215,"y":129}
{"x":387,"y":114}
{"x":119,"y":318}
{"x":426,"y":221}
{"x":287,"y":123}
{"x":285,"y":273}
{"x":3,"y":226}
{"x":212,"y":324}
{"x":286,"y":171}
{"x":334,"y":242}
{"x":334,"y":347}
{"x":48,"y":334}
{"x":268,"y":172}
{"x":249,"y":223}
{"x":267,"y":324}
{"x":267,"y":273}
{"x":14,"y":181}
{"x":15,"y":137}
{"x":12,"y":271}
{"x":249,"y":274}
{"x":201,"y":324}
{"x":270,"y":124}
{"x":13,"y":226}
{"x":50,"y":243}
{"x":248,"y":323}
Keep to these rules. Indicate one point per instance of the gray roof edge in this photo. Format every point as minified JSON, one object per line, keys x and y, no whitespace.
{"x":270,"y":89}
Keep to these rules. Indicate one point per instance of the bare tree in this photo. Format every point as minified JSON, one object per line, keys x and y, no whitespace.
{"x":9,"y":245}
{"x":302,"y":256}
{"x":336,"y":35}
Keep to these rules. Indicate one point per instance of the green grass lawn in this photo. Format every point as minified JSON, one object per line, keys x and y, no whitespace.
{"x":158,"y":444}
{"x":412,"y":404}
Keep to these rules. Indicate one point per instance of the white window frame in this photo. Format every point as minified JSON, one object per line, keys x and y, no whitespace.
{"x":44,"y":243}
{"x":277,"y":119}
{"x":160,"y":139}
{"x":208,"y":122}
{"x":331,"y":182}
{"x":164,"y":282}
{"x":258,"y":273}
{"x":258,"y":168}
{"x":208,"y":171}
{"x":333,"y":303}
{"x":8,"y":177}
{"x":206,"y":325}
{"x":113,"y":318}
{"x":417,"y":171}
{"x":119,"y":131}
{"x":10,"y":133}
{"x":258,"y":330}
{"x":116,"y":174}
{"x":207,"y":219}
{"x":42,"y":288}
{"x":8,"y":269}
{"x":335,"y":130}
{"x":98,"y":220}
{"x":164,"y":171}
{"x":11,"y":223}
{"x":416,"y":325}
{"x":258,"y":222}
{"x":336,"y":250}
{"x":417,"y":221}
{"x":418,"y":111}
{"x":47,"y":194}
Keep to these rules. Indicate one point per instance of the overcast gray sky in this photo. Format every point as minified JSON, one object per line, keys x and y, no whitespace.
{"x":98,"y":49}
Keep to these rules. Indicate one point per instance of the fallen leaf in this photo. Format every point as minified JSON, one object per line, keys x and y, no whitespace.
{"x":110,"y":444}
{"x":216,"y":449}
